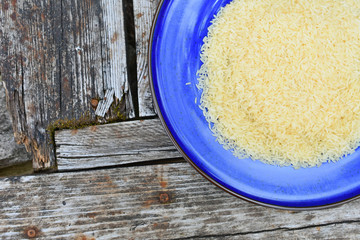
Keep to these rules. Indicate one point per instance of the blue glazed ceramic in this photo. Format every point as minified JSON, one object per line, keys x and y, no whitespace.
{"x":175,"y":43}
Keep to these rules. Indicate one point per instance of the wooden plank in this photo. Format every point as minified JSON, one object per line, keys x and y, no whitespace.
{"x":113,"y":144}
{"x":80,"y":46}
{"x":331,"y":231}
{"x":115,"y":66}
{"x":169,"y":201}
{"x":10,"y":152}
{"x":28,"y":60}
{"x":144,"y":11}
{"x":56,"y":58}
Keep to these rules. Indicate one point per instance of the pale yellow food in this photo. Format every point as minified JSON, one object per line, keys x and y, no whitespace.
{"x":281,"y":80}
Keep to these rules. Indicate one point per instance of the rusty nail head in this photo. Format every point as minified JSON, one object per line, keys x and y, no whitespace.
{"x":31,"y":233}
{"x":164,"y":197}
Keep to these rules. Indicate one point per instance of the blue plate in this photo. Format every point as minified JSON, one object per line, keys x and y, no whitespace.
{"x":177,"y":36}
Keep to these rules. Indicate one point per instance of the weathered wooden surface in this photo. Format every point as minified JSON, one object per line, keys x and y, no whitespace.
{"x":113,"y":144}
{"x":337,"y":230}
{"x":55,"y":58}
{"x":144,"y":11}
{"x":10,"y":152}
{"x":58,"y":58}
{"x":170,"y":201}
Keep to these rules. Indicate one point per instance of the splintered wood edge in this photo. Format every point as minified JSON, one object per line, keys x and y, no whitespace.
{"x":116,"y":79}
{"x":156,"y":201}
{"x":113,"y":144}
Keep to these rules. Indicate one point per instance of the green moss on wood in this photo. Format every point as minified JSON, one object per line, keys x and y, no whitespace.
{"x":84,"y":121}
{"x":115,"y":114}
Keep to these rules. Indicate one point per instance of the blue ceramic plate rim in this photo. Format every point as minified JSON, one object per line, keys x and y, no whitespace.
{"x":189,"y":160}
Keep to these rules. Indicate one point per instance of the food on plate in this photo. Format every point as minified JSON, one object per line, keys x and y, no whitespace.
{"x":280,"y":80}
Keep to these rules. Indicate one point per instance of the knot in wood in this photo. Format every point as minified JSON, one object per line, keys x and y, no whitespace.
{"x":164,"y":198}
{"x":94,"y":103}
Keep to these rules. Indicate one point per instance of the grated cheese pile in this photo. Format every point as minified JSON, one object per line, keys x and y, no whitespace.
{"x":281,"y":80}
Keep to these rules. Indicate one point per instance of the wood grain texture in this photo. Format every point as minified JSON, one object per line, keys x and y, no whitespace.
{"x":28,"y":60}
{"x":170,"y":201}
{"x":115,"y":66}
{"x":10,"y":152}
{"x":113,"y":144}
{"x":55,"y":57}
{"x":336,"y":230}
{"x":144,"y":11}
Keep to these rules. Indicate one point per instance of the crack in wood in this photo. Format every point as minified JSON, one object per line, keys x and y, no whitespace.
{"x":267,"y":231}
{"x":135,"y":152}
{"x":154,"y":162}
